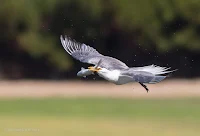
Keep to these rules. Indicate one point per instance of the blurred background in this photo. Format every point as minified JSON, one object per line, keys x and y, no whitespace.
{"x":41,"y":95}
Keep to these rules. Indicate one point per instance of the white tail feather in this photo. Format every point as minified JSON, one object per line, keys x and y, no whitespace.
{"x":156,"y":70}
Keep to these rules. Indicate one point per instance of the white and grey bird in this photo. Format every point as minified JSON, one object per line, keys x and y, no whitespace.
{"x":111,"y":68}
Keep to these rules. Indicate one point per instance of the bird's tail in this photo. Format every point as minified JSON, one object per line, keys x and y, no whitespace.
{"x":158,"y":73}
{"x":155,"y":70}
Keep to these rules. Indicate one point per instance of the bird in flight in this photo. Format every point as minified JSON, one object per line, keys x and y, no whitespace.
{"x":111,"y":68}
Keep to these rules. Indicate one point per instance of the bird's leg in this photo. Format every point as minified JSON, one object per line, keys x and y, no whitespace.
{"x":144,"y":86}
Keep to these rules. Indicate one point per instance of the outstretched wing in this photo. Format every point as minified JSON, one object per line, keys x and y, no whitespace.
{"x":87,"y":54}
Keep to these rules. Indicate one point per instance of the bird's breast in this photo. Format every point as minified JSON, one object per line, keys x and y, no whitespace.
{"x":111,"y":76}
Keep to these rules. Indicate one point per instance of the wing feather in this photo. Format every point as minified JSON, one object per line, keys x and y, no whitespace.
{"x":87,"y":54}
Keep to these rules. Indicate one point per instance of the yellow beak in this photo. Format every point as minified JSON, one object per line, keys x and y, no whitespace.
{"x":94,"y":69}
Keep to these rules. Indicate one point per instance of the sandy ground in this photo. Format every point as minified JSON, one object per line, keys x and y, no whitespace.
{"x":165,"y":89}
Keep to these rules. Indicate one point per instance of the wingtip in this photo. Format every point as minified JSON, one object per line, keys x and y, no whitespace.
{"x":170,"y":74}
{"x":175,"y":70}
{"x":65,"y":37}
{"x":61,"y":37}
